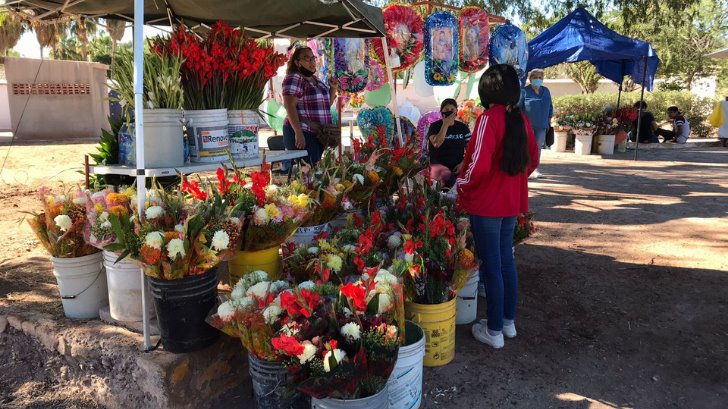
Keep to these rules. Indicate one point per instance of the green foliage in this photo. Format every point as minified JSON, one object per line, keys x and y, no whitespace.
{"x":696,"y":109}
{"x":585,"y":74}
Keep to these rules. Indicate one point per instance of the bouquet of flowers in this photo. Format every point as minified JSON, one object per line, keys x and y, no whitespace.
{"x":59,"y":227}
{"x":469,"y":111}
{"x":253,"y":314}
{"x":343,"y":348}
{"x":524,"y":228}
{"x":324,"y":186}
{"x":626,"y":117}
{"x":225,"y":69}
{"x":324,"y":260}
{"x":363,"y":177}
{"x":177,"y":237}
{"x":562,"y":123}
{"x":99,"y":207}
{"x":607,"y":124}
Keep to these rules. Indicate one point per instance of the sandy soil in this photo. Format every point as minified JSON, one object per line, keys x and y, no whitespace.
{"x":622,"y":290}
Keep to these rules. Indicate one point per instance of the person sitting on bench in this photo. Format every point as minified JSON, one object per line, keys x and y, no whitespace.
{"x":680,"y":127}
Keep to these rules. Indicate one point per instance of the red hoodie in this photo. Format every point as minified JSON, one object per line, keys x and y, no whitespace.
{"x":483,"y":188}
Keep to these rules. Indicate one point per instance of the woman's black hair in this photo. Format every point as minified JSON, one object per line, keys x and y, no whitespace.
{"x":447,"y":102}
{"x":292,"y":67}
{"x":500,"y":85}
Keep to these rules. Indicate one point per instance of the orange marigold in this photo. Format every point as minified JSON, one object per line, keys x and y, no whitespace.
{"x":466,"y":258}
{"x":118,"y":210}
{"x":117,"y":199}
{"x":150,"y":255}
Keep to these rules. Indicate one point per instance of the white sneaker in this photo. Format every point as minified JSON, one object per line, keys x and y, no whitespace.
{"x":535,"y":175}
{"x":481,"y":334}
{"x":508,"y":330}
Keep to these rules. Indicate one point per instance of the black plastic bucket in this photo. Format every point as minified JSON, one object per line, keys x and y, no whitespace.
{"x":182,"y":307}
{"x":271,"y":388}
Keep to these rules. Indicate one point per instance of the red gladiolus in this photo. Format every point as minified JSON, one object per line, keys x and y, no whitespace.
{"x":356,"y":294}
{"x":411,"y":246}
{"x":287,"y":344}
{"x":223,"y":185}
{"x":193,"y":188}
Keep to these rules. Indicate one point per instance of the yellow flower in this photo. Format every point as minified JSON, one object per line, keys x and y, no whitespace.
{"x":397,"y":171}
{"x":339,"y":187}
{"x":303,"y":200}
{"x":272,"y":211}
{"x":99,"y":207}
{"x":437,"y":76}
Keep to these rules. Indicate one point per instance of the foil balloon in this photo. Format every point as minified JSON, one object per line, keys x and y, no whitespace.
{"x":442,"y":46}
{"x":508,"y":46}
{"x":422,"y":88}
{"x":474,"y":32}
{"x":376,"y":122}
{"x":379,"y":97}
{"x":424,"y":124}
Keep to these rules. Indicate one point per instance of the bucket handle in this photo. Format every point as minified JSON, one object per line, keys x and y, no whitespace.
{"x":72,"y":297}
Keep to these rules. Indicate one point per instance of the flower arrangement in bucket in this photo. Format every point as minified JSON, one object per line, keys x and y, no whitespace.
{"x":325,"y":188}
{"x":100,"y":205}
{"x":340,"y":347}
{"x":59,"y":227}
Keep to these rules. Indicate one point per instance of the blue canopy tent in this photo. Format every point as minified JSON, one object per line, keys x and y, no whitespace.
{"x":581,"y":37}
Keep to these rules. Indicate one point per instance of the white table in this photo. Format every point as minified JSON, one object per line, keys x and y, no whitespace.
{"x":270,"y":157}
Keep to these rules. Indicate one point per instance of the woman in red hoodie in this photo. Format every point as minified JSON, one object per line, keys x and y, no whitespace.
{"x":493,"y":189}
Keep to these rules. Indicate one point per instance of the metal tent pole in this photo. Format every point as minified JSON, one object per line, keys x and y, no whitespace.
{"x":393,"y":84}
{"x":619,"y":96}
{"x":642,"y":99}
{"x":139,"y":132}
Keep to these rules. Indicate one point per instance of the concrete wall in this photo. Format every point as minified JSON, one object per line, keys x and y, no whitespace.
{"x":56,"y":100}
{"x":5,"y":123}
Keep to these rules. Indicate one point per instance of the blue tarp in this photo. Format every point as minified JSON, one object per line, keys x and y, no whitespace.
{"x":581,"y":37}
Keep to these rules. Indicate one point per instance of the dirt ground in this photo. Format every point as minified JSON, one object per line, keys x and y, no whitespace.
{"x":623,"y":300}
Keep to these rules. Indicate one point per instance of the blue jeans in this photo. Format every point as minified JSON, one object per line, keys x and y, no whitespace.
{"x":313,"y":146}
{"x":540,"y":135}
{"x":494,"y":240}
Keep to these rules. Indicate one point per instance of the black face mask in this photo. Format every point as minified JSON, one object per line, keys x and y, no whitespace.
{"x":305,"y":71}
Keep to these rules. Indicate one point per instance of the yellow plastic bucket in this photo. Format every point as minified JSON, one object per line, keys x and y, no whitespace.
{"x":248,"y":261}
{"x":438,"y":322}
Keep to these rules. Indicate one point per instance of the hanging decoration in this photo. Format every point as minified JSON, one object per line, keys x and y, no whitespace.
{"x":405,"y":36}
{"x":409,"y":131}
{"x":377,"y":75}
{"x":321,"y":48}
{"x":424,"y":124}
{"x":474,"y":32}
{"x":351,"y":64}
{"x":441,"y":48}
{"x":376,"y":122}
{"x":508,"y":46}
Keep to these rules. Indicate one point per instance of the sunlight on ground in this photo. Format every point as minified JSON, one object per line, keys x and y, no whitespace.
{"x":593,"y":404}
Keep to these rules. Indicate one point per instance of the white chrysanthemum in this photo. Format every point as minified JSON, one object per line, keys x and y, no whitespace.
{"x":313,"y":250}
{"x":271,"y":314}
{"x":394,"y":241}
{"x":385,"y":303}
{"x":351,"y":330}
{"x":105,"y":225}
{"x":153,"y":212}
{"x":338,"y":355}
{"x":260,"y":217}
{"x":308,"y":285}
{"x":104,"y":216}
{"x":220,"y":240}
{"x":226,"y":310}
{"x":334,"y":262}
{"x":154,"y":240}
{"x":278,"y":286}
{"x":259,"y":290}
{"x":63,"y":222}
{"x":179,"y":228}
{"x":309,"y":352}
{"x":359,"y":178}
{"x":176,"y":249}
{"x":384,"y":276}
{"x":80,"y":201}
{"x":238,"y":292}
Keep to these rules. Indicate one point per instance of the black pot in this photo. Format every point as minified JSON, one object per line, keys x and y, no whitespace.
{"x":182,"y":308}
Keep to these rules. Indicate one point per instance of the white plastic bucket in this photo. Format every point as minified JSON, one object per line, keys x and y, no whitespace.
{"x":583,"y":143}
{"x":606,"y":144}
{"x":125,"y":288}
{"x":560,"y":139}
{"x":208,"y":132}
{"x":378,"y":401}
{"x":163,"y":138}
{"x":82,"y":285}
{"x":467,"y":304}
{"x":306,"y":234}
{"x":405,"y":383}
{"x":243,"y":132}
